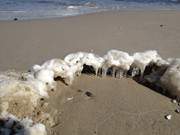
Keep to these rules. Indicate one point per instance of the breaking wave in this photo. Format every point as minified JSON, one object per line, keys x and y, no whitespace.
{"x":35,"y":9}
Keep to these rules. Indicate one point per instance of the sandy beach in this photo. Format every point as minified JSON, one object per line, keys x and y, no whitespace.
{"x":39,"y":40}
{"x":116,"y":106}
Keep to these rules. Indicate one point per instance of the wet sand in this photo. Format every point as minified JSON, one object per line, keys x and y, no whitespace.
{"x":24,"y":43}
{"x":116,"y":106}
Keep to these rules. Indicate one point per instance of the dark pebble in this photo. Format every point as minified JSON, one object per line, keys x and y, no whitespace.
{"x":89,"y":94}
{"x":52,"y":90}
{"x":79,"y":90}
{"x":177,"y":110}
{"x":42,"y":99}
{"x":15,"y":19}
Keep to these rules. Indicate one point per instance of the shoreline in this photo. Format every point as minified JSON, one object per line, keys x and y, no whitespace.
{"x":93,"y":13}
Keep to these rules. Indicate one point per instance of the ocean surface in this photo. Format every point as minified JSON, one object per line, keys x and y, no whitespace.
{"x":32,"y":9}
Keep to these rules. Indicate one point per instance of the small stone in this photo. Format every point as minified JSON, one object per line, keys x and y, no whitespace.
{"x":177,"y":110}
{"x":39,"y":112}
{"x":52,"y":90}
{"x":15,"y":19}
{"x":168,"y":117}
{"x":174,"y":101}
{"x":70,"y":98}
{"x":89,"y":94}
{"x":42,"y":99}
{"x":79,"y":90}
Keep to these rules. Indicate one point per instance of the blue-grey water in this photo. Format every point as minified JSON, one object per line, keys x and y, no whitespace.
{"x":32,"y":9}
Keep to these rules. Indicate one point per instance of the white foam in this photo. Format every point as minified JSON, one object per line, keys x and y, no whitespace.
{"x":72,"y":7}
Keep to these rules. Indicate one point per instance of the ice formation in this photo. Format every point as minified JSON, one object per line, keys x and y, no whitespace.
{"x":74,"y":58}
{"x":171,"y":78}
{"x":41,"y":78}
{"x":93,"y":60}
{"x":57,"y":68}
{"x":143,"y":59}
{"x":80,"y":59}
{"x":117,"y":60}
{"x":45,"y":75}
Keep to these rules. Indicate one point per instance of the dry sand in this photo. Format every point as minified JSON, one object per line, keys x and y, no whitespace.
{"x":117,"y":106}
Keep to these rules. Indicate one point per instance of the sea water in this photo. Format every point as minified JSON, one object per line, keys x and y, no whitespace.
{"x":35,"y":9}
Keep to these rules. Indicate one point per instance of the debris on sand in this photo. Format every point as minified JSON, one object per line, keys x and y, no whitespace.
{"x":70,"y":98}
{"x":174,"y":101}
{"x":168,"y":117}
{"x":89,"y":94}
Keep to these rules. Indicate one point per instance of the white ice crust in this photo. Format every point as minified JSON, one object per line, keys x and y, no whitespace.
{"x":142,"y":59}
{"x":80,"y":58}
{"x":41,"y":77}
{"x":61,"y":69}
{"x":119,"y":59}
{"x":171,"y":78}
